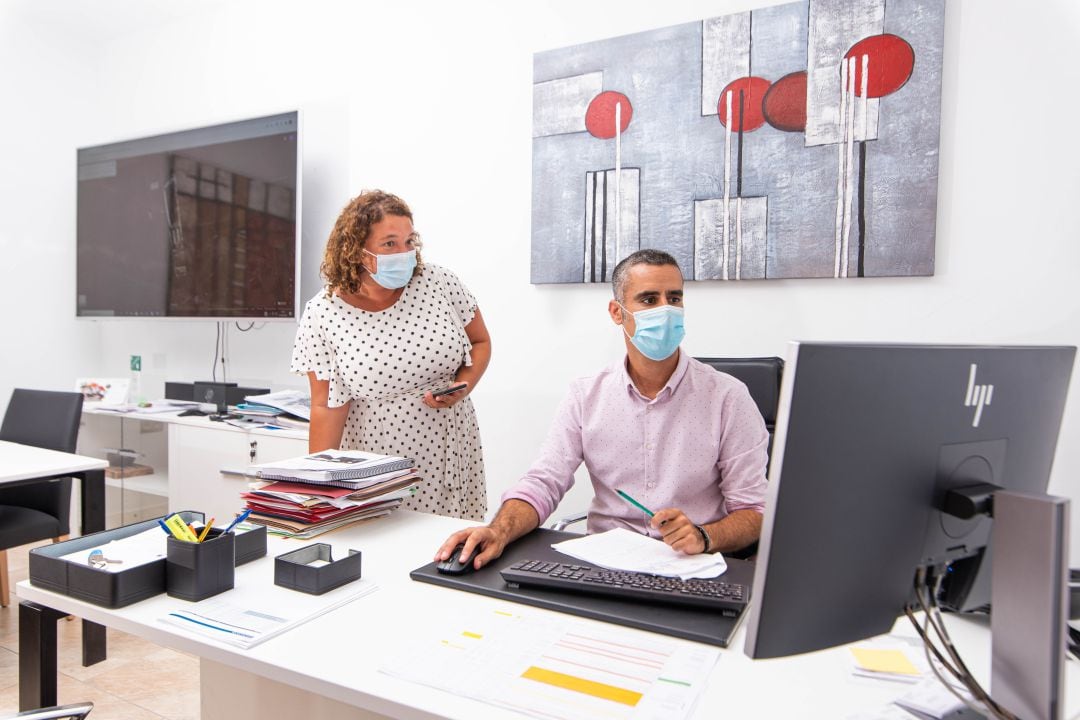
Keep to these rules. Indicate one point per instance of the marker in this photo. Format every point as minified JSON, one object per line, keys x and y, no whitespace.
{"x":164,"y":526}
{"x":635,"y":503}
{"x":180,"y":529}
{"x":238,"y":519}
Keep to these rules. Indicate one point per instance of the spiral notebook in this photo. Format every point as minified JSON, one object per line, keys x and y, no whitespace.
{"x":330,"y":466}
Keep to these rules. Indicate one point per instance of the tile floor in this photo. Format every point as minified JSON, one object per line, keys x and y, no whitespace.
{"x":138,"y":681}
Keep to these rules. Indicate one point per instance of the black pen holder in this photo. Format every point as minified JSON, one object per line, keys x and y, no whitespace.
{"x":196,"y":571}
{"x":294,"y":569}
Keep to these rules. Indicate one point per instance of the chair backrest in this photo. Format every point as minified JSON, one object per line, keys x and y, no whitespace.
{"x":43,"y":418}
{"x":49,"y":420}
{"x":762,"y":376}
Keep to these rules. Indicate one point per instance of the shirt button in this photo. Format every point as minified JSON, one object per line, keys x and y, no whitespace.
{"x":650,"y":485}
{"x":648,"y":446}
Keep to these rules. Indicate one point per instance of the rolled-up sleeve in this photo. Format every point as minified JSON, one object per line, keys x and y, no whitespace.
{"x":744,"y":453}
{"x":552,"y":474}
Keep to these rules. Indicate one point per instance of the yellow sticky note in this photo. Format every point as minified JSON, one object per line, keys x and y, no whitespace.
{"x":884,"y":661}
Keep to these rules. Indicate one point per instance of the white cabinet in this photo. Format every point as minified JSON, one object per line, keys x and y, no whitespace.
{"x":137,"y":487}
{"x":186,"y":455}
{"x":198,"y":453}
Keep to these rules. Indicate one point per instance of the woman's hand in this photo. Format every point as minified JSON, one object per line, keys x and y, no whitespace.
{"x":447,"y":400}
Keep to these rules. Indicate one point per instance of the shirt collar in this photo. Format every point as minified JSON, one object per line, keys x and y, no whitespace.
{"x":669,"y":387}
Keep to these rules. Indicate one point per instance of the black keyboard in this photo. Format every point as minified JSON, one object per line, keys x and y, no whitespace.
{"x":728,"y":599}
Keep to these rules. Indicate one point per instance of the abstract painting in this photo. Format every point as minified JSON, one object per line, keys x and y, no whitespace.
{"x":794,"y":141}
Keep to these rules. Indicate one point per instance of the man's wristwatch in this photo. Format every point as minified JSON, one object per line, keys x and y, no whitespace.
{"x":704,"y":538}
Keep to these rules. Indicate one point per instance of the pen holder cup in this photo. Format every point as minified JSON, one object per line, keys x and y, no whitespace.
{"x":313,"y":570}
{"x":250,"y":543}
{"x":195,"y":571}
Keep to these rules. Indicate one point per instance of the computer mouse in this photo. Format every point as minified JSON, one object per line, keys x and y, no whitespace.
{"x":454,"y":565}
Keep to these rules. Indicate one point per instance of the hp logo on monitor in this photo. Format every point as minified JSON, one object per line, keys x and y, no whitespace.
{"x":978,"y":396}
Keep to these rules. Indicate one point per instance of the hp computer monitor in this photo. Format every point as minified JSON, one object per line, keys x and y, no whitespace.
{"x":869,"y":439}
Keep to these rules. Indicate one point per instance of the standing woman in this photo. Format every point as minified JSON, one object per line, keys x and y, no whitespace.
{"x":385,"y":332}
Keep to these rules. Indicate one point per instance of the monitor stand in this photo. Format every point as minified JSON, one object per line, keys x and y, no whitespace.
{"x":1029,"y":603}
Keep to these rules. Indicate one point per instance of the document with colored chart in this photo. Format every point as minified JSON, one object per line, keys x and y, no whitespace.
{"x":558,"y":668}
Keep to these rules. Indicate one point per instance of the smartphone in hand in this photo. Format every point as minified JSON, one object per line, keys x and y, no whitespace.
{"x":448,"y":390}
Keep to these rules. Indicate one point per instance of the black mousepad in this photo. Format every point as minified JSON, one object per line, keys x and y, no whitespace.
{"x":705,"y":626}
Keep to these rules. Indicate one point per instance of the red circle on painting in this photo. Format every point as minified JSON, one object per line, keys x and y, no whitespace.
{"x":891,"y":60}
{"x":600,"y":117}
{"x":753,"y":91}
{"x":784,"y":105}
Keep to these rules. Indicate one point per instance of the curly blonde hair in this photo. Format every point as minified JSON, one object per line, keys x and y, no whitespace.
{"x":341,"y":265}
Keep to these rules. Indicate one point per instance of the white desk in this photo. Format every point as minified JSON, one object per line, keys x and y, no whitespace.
{"x":25,"y":464}
{"x":337,"y":656}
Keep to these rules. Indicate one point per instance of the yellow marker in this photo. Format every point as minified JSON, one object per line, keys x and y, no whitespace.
{"x":180,"y":529}
{"x":581,"y":685}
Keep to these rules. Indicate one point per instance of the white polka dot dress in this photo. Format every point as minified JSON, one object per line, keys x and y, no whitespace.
{"x":384,"y":362}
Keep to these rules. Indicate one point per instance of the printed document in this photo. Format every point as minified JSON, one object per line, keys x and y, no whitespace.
{"x":620,"y":549}
{"x":556,"y":667}
{"x":248,"y":616}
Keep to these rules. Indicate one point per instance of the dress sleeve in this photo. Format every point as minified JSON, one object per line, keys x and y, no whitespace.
{"x":311,"y":351}
{"x":459,"y":296}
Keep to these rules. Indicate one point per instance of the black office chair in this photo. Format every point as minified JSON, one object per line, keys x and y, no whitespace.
{"x":40,"y":510}
{"x":762,"y":377}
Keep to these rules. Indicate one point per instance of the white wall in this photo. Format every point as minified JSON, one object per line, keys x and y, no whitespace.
{"x":432,"y":100}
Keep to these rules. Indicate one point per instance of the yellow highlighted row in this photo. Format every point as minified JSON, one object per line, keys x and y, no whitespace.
{"x":581,"y":685}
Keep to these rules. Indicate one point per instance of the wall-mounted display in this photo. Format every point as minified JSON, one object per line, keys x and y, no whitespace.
{"x":794,"y":141}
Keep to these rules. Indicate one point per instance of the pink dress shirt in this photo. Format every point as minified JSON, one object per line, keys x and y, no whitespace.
{"x":699,"y":446}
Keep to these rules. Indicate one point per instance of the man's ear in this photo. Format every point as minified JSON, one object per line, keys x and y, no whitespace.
{"x":615,"y":312}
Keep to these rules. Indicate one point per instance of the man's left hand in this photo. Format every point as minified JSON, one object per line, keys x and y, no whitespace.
{"x":678,"y":531}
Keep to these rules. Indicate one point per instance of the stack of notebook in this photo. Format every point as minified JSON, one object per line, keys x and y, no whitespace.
{"x":309,"y":495}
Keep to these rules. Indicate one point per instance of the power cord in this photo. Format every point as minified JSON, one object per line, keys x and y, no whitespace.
{"x":955,"y":666}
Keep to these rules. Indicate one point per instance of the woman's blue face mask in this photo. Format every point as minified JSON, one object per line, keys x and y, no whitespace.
{"x":657,"y":331}
{"x":395,"y":270}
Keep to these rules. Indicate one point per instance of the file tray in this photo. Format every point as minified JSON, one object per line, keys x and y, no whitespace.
{"x":691,"y":623}
{"x":312,"y":569}
{"x":250,"y":542}
{"x":96,"y":586}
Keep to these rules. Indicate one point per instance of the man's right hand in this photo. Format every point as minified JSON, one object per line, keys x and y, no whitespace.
{"x":490,"y":542}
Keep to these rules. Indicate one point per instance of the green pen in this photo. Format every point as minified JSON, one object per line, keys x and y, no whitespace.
{"x":635,"y":503}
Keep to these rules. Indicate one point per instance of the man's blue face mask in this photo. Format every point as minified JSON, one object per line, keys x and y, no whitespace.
{"x":395,"y":270}
{"x":657,"y":331}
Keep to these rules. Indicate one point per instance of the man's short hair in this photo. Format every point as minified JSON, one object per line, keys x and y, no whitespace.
{"x":648,"y":256}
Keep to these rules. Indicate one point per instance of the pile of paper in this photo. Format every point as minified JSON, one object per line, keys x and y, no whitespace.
{"x":310,"y":495}
{"x":287,"y":408}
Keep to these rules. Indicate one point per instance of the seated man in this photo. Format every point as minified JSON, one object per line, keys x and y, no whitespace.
{"x":671,"y":432}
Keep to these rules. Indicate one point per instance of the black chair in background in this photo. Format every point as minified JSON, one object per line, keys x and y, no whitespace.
{"x":762,"y":376}
{"x":39,"y":510}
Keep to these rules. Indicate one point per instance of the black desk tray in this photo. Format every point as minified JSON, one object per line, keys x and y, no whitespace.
{"x":119,"y":589}
{"x":100,"y":587}
{"x":692,"y":623}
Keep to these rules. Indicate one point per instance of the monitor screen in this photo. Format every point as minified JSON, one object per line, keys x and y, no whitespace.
{"x":869,"y":439}
{"x":202,"y":223}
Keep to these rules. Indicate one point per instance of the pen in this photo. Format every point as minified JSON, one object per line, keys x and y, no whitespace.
{"x":238,"y":519}
{"x":635,"y":503}
{"x":164,"y":526}
{"x":206,"y":529}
